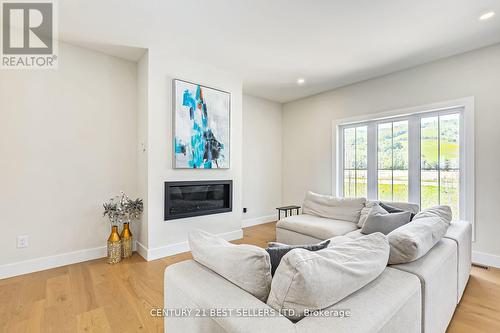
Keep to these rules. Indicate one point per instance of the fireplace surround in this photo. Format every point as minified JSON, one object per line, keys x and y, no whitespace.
{"x":197,"y":198}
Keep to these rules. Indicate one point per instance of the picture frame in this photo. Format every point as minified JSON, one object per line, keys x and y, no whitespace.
{"x":201,"y":126}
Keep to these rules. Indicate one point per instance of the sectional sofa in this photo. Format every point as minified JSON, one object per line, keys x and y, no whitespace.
{"x":449,"y":260}
{"x":418,"y":296}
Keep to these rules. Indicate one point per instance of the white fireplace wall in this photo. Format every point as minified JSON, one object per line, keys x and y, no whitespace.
{"x":169,"y":237}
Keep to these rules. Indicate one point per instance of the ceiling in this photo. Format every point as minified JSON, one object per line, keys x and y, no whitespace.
{"x":272,"y":43}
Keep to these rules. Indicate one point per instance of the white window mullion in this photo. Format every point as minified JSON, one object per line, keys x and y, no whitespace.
{"x":414,"y":159}
{"x":372,"y":161}
{"x":339,"y":191}
{"x":463,"y":168}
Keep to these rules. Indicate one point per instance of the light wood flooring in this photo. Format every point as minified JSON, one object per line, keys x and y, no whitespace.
{"x":96,"y":297}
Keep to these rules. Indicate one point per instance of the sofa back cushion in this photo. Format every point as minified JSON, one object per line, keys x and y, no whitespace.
{"x":308,"y":280}
{"x":345,"y":209}
{"x":247,"y":266}
{"x":413,"y":240}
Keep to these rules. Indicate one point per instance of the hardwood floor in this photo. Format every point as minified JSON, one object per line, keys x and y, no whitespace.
{"x":96,"y":297}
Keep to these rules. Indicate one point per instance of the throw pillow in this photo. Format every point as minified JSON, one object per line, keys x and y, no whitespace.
{"x":413,"y":240}
{"x":385,"y":223}
{"x":391,"y":209}
{"x":247,"y":266}
{"x":276,"y":244}
{"x":345,"y":209}
{"x":316,"y":280}
{"x":277,"y":251}
{"x":365,"y":211}
{"x":404,"y":206}
{"x":400,"y":206}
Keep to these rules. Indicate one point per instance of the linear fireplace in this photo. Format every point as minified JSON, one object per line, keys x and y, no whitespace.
{"x":196,"y":198}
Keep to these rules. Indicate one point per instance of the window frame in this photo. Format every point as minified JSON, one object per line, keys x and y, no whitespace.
{"x":375,"y":151}
{"x":356,"y":169}
{"x":463,"y":106}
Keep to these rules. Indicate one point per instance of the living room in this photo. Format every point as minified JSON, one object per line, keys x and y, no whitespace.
{"x":231,"y":166}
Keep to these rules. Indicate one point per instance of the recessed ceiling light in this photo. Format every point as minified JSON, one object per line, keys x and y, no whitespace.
{"x":487,"y":15}
{"x":301,"y":81}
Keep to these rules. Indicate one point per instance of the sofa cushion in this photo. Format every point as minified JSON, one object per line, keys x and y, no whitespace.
{"x":308,"y":280}
{"x":315,"y":226}
{"x":379,"y":220}
{"x":345,"y":209}
{"x":247,"y":266}
{"x":442,"y":212}
{"x":401,"y":310}
{"x":294,"y":238}
{"x":354,"y":234}
{"x":413,"y":240}
{"x":191,"y":286}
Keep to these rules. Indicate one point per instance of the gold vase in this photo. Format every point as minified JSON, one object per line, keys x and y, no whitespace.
{"x":114,"y":246}
{"x":126,"y":237}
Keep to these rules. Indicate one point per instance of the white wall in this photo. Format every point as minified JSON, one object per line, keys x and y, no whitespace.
{"x":142,"y":143}
{"x":168,"y":237}
{"x":307,"y":127}
{"x":261,"y":159}
{"x":67,"y":143}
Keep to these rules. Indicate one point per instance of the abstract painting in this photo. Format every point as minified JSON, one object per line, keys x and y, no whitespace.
{"x":201,"y":132}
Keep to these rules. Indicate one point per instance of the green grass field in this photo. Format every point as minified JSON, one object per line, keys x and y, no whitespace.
{"x":449,"y":151}
{"x":429,"y":194}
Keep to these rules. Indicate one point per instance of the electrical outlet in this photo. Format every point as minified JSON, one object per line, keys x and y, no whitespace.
{"x":244,"y":210}
{"x":22,"y":241}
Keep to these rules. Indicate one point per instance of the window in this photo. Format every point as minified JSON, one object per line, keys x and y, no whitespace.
{"x":392,"y":159}
{"x":355,"y":162}
{"x":414,"y":157}
{"x":440,"y":161}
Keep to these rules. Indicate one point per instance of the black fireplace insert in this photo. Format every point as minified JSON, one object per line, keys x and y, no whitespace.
{"x":197,"y":198}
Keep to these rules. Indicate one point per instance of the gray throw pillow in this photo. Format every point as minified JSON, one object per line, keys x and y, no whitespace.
{"x":391,"y":209}
{"x":278,"y":250}
{"x":385,"y":223}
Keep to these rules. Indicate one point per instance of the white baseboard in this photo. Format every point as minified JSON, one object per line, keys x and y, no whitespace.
{"x":58,"y":260}
{"x":142,"y":250}
{"x":171,"y":249}
{"x":43,"y":263}
{"x":258,"y":220}
{"x":486,"y":259}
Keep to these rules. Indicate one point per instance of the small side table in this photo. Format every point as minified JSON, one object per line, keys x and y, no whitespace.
{"x":288,"y":210}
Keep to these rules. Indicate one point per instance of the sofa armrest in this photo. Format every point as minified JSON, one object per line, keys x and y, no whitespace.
{"x":189,"y":285}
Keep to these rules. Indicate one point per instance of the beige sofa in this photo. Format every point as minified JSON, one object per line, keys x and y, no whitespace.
{"x":449,"y":260}
{"x":377,"y":307}
{"x":412,"y":298}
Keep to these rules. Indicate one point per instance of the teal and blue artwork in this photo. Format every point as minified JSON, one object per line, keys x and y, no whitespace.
{"x":202,"y":121}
